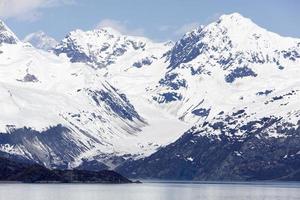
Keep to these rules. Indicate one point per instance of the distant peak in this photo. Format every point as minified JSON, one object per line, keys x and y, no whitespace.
{"x":235,"y":25}
{"x":234,"y":18}
{"x":38,"y":34}
{"x":109,"y":29}
{"x":234,"y":15}
{"x":42,"y":33}
{"x":96,"y":32}
{"x":41,"y":40}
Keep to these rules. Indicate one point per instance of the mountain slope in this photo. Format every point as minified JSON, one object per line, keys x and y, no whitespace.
{"x":61,"y":114}
{"x":238,"y":83}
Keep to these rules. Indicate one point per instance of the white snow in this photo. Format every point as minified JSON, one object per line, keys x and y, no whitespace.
{"x":237,"y":153}
{"x":190,"y":159}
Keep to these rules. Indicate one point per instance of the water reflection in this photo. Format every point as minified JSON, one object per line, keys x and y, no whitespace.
{"x":150,"y":191}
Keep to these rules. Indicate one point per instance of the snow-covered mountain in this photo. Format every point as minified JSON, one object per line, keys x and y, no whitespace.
{"x":60,"y":113}
{"x":41,"y":40}
{"x":103,"y":47}
{"x":106,"y":96}
{"x":239,"y":84}
{"x":231,"y":63}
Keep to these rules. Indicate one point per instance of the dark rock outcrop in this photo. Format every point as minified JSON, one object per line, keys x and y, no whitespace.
{"x":34,"y":173}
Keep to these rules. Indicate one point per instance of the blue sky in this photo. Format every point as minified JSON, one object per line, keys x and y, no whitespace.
{"x":157,"y":19}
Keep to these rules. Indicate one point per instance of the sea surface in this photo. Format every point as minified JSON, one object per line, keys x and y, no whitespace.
{"x":152,"y":191}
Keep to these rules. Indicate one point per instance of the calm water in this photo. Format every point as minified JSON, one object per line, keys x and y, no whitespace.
{"x":151,"y":191}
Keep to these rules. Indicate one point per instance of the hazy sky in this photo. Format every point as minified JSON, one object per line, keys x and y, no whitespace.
{"x":156,"y":19}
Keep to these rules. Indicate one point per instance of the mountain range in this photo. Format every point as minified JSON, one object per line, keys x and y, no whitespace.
{"x":221,"y":103}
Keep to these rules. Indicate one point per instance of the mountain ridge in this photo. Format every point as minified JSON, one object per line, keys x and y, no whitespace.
{"x":216,"y":85}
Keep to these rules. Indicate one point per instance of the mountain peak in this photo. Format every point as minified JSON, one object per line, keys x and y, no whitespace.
{"x":99,"y":47}
{"x":235,"y":19}
{"x":41,"y":40}
{"x":95,"y":34}
{"x":6,"y":35}
{"x":231,"y":33}
{"x":109,"y":30}
{"x":233,"y":16}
